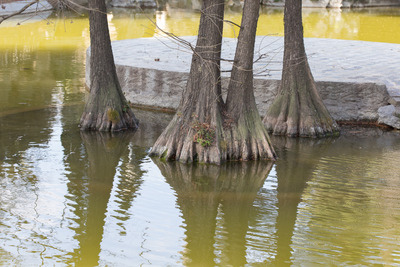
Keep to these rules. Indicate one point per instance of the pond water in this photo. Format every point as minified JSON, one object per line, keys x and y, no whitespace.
{"x":89,"y":199}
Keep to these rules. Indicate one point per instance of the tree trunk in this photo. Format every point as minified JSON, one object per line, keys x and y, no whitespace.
{"x":246,"y":137}
{"x":204,"y":129}
{"x":194,"y":132}
{"x":297,"y":109}
{"x":106,"y":108}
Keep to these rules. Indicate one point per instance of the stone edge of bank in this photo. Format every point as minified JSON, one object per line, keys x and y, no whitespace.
{"x":161,"y":89}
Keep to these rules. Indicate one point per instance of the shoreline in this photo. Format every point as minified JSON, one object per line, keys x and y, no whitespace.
{"x":358,"y":81}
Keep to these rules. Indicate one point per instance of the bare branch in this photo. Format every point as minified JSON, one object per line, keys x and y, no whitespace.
{"x":3,"y":18}
{"x":233,"y":23}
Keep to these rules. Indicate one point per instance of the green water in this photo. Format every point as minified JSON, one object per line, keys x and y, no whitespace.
{"x":83,"y":199}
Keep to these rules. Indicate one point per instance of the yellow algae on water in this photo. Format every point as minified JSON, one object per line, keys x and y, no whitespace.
{"x":374,"y":25}
{"x":71,"y":31}
{"x":50,"y":33}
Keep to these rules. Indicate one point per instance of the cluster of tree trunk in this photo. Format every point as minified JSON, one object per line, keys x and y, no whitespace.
{"x":206,"y":128}
{"x":233,"y":127}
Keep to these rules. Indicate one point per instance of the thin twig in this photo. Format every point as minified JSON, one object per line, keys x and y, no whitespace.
{"x":3,"y":18}
{"x":172,"y":36}
{"x":233,"y":23}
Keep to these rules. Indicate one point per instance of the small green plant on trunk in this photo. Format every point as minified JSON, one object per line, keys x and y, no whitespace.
{"x":205,"y":134}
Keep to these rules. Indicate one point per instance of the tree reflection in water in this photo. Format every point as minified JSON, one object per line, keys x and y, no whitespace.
{"x":298,"y":159}
{"x":91,"y":176}
{"x":99,"y":165}
{"x":207,"y":192}
{"x":224,"y":207}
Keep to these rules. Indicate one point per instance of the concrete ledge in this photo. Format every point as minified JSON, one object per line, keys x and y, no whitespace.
{"x":354,"y":78}
{"x":163,"y":89}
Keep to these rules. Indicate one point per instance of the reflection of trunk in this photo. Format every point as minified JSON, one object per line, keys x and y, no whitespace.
{"x":197,"y":197}
{"x":129,"y":183}
{"x":238,"y":193}
{"x":130,"y":178}
{"x":297,"y":109}
{"x":200,"y":190}
{"x":294,"y":169}
{"x":104,"y":152}
{"x":89,"y":191}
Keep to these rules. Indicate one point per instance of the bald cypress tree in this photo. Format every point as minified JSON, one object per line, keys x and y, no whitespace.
{"x":106,"y":108}
{"x":297,"y":109}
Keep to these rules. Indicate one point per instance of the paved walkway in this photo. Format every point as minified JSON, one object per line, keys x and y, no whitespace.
{"x":330,"y":60}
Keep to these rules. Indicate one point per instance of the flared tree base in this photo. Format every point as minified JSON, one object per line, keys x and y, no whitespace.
{"x":106,"y":110}
{"x":292,"y":115}
{"x":244,"y":141}
{"x":110,"y":120}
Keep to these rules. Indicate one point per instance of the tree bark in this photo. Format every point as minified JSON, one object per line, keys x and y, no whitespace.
{"x":246,"y":137}
{"x":297,"y":109}
{"x":106,"y":108}
{"x":201,"y":104}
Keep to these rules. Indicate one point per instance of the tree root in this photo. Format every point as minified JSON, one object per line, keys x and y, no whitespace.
{"x":232,"y":144}
{"x":106,"y":122}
